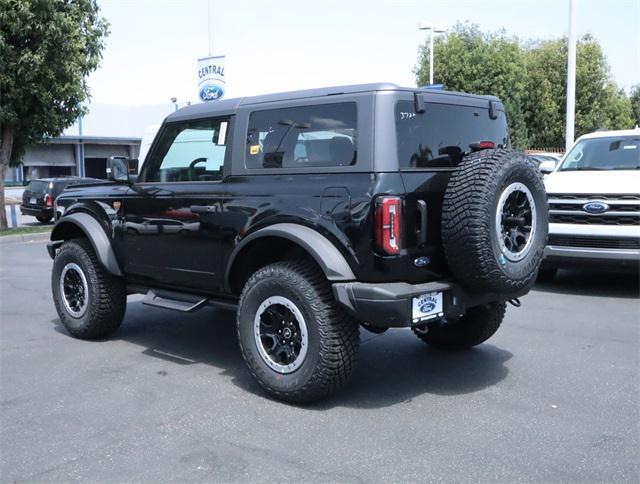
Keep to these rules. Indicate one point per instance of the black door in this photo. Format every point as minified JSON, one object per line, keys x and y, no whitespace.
{"x":170,"y":230}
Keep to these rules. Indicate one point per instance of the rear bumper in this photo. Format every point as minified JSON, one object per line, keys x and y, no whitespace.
{"x":36,"y":211}
{"x":389,"y":305}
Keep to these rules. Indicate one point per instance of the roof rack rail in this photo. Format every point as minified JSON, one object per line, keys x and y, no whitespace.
{"x":433,"y":87}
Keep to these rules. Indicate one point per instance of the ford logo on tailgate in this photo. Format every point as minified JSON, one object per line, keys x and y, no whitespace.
{"x":595,"y":207}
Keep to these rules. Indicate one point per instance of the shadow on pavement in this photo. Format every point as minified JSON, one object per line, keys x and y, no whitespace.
{"x":593,"y":282}
{"x":392,"y":368}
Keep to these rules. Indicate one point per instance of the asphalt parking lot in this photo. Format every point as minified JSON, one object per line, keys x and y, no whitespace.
{"x":553,"y":397}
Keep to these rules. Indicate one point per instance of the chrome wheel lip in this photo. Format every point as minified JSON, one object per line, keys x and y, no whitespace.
{"x":67,"y":298}
{"x":515,"y":256}
{"x":287,"y":303}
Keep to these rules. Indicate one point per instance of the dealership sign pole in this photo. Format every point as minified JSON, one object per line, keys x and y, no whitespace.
{"x":211,"y":78}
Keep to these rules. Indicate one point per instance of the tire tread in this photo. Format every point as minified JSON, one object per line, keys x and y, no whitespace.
{"x":339,"y":333}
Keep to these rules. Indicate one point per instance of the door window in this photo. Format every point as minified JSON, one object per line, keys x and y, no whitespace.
{"x":189,"y":151}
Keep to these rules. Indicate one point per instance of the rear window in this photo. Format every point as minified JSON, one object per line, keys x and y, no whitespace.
{"x":38,"y":186}
{"x":444,"y":133}
{"x":321,"y":135}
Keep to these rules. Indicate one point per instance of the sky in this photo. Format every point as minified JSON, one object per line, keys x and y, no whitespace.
{"x":270,"y":46}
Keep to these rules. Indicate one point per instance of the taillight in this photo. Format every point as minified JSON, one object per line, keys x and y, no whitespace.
{"x":48,"y":200}
{"x":388,"y":224}
{"x":482,"y":145}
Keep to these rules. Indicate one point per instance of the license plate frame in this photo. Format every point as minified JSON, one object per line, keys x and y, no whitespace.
{"x":32,"y":200}
{"x":427,"y":306}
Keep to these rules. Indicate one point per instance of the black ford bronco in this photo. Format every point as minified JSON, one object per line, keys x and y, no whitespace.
{"x":312,"y":213}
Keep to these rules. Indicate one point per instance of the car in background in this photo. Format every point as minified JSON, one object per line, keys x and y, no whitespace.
{"x":39,"y":195}
{"x":540,"y":158}
{"x":594,"y":203}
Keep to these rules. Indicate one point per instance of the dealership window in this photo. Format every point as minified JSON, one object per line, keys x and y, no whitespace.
{"x":320,"y":135}
{"x":189,"y":151}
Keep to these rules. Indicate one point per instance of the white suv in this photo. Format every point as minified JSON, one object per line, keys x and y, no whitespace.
{"x":594,"y":202}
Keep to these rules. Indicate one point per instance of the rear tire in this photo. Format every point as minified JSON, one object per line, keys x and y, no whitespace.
{"x":494,"y":222}
{"x":43,"y":220}
{"x":291,"y":303}
{"x":90,"y":301}
{"x":475,"y":327}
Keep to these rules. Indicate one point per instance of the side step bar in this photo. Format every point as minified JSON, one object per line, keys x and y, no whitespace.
{"x":185,"y":303}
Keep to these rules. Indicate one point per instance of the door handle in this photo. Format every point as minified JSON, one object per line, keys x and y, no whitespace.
{"x":203,"y":208}
{"x":422,"y":208}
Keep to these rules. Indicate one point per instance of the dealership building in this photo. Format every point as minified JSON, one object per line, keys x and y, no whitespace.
{"x":83,"y":149}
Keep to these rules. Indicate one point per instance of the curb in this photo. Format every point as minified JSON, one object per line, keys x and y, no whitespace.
{"x":16,"y":239}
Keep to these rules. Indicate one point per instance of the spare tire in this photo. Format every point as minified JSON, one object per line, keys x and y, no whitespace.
{"x":495,"y":221}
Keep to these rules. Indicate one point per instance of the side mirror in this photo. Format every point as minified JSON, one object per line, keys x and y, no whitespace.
{"x":547,"y":167}
{"x":118,"y":169}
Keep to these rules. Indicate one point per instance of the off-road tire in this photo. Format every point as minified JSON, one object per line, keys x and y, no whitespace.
{"x":475,"y":327}
{"x":107,"y":297}
{"x":333,"y":336}
{"x":43,"y":220}
{"x":469,"y":237}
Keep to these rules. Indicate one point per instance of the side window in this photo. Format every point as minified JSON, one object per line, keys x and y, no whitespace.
{"x":190,"y":151}
{"x":321,"y":135}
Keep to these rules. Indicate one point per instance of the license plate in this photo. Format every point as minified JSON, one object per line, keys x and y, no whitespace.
{"x":427,"y":306}
{"x":32,"y":201}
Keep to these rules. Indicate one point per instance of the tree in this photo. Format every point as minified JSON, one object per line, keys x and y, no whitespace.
{"x":47,"y":48}
{"x":481,"y":63}
{"x":531,"y":80}
{"x":599,"y":103}
{"x":635,"y":103}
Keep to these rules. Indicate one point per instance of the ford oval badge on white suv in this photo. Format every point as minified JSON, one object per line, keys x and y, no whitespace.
{"x":594,"y":203}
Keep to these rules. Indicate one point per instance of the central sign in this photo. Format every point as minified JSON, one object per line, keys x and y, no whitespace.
{"x":211,"y":78}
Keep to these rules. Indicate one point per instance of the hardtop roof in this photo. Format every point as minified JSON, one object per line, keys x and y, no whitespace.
{"x":230,"y":106}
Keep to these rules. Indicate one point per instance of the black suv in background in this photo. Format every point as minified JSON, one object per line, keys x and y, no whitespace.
{"x":39,"y":196}
{"x":312,"y":213}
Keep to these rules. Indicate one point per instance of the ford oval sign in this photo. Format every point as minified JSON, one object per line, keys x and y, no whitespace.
{"x":211,"y":92}
{"x":595,"y":207}
{"x":427,"y":307}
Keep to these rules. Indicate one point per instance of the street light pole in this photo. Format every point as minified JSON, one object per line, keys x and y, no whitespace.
{"x":571,"y":79}
{"x":433,"y":32}
{"x":431,"y":58}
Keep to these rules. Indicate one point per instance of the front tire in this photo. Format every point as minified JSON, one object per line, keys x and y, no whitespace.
{"x":475,"y":327}
{"x":299,"y":345}
{"x":90,"y":302}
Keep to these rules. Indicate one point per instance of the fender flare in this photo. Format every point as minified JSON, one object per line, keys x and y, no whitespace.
{"x":95,"y":233}
{"x":324,"y":252}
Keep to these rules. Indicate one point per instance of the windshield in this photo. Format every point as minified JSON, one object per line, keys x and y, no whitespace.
{"x":611,"y":153}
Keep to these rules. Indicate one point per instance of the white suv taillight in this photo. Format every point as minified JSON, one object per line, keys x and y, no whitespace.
{"x":388,"y":225}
